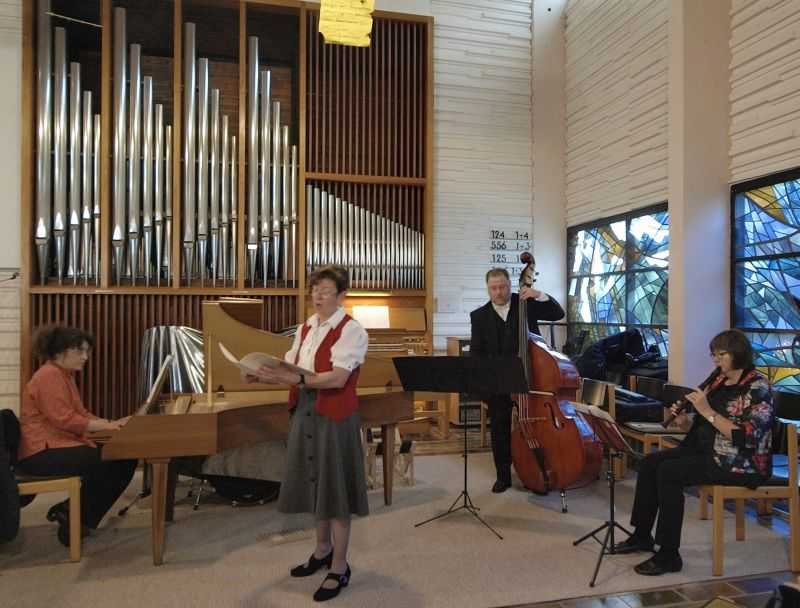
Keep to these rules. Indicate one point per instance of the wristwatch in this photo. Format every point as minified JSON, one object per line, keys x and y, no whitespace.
{"x":302,"y":380}
{"x":712,"y":418}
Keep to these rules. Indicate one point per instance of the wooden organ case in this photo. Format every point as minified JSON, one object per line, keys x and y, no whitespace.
{"x":353,"y":135}
{"x":191,"y":150}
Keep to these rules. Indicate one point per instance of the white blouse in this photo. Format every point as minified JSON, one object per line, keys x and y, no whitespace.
{"x":347,"y":353}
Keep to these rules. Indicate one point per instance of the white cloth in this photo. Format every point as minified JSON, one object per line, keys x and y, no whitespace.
{"x":502,"y":311}
{"x":347,"y":353}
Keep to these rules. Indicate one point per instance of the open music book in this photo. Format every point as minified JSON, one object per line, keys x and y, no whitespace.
{"x":604,"y":425}
{"x":252,"y":362}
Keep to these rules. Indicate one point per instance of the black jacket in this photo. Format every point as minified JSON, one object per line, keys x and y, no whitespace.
{"x":9,"y":492}
{"x":484,"y":341}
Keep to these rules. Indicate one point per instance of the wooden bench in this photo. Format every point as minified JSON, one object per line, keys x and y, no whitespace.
{"x":29,"y":484}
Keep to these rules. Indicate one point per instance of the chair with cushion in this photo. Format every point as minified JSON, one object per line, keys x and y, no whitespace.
{"x":787,"y":409}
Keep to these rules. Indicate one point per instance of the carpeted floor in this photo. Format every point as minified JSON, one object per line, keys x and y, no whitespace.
{"x":223,"y":556}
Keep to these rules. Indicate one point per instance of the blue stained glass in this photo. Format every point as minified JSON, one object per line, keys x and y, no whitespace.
{"x":767,"y":220}
{"x":767,"y":294}
{"x":647,"y":297}
{"x":775,"y":349}
{"x":648,"y":241}
{"x":785,"y":379}
{"x":657,"y":336}
{"x":597,"y":299}
{"x":598,"y":250}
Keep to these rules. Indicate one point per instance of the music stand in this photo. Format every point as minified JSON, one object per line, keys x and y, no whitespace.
{"x":614,"y":446}
{"x":475,"y":375}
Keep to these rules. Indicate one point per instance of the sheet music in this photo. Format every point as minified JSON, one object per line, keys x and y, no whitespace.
{"x":252,"y":362}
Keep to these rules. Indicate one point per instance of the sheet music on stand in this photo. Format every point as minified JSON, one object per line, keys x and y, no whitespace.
{"x":605,"y":427}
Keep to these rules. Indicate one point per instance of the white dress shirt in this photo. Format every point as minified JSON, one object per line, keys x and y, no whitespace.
{"x":347,"y":353}
{"x":502,"y":311}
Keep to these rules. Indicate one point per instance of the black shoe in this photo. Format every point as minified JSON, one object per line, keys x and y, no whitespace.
{"x":657,"y":565}
{"x":500,"y":486}
{"x":59,"y":512}
{"x":312,"y":565}
{"x":63,"y":533}
{"x":634,"y":545}
{"x":323,"y":594}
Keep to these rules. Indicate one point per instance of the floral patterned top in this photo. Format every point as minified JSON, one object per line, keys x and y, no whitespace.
{"x":748,"y":405}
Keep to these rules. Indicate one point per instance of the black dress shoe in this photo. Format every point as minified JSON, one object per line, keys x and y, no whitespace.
{"x":633,"y":545}
{"x":312,"y":565}
{"x":500,"y":486}
{"x":63,"y":532}
{"x":323,"y":594}
{"x":657,"y":565}
{"x":59,"y":512}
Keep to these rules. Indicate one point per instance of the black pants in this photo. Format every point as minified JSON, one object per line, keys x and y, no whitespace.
{"x":659,"y":491}
{"x":500,"y":416}
{"x":102,"y":481}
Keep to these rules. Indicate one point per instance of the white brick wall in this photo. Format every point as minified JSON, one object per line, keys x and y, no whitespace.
{"x":765,"y":86}
{"x":9,"y":340}
{"x":483,"y":158}
{"x":617,"y":111}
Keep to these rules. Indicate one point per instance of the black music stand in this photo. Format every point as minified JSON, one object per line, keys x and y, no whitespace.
{"x":475,"y":375}
{"x":614,"y":446}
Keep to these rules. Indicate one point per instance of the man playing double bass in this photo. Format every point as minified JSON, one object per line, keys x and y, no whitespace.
{"x":495,"y":333}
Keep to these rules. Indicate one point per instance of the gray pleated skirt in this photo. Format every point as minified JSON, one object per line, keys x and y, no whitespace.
{"x":324,"y":465}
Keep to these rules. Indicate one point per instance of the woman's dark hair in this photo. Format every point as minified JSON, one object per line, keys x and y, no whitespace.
{"x":736,"y":343}
{"x":337,"y":274}
{"x":51,"y":341}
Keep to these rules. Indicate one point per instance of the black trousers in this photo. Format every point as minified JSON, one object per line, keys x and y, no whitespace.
{"x":659,"y":491}
{"x":500,"y":416}
{"x":102,"y":481}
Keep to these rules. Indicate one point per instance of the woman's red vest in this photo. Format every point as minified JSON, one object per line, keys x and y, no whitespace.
{"x":334,"y":403}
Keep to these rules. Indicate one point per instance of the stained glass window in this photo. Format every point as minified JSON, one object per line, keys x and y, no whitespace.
{"x":618,"y":276}
{"x":766,"y":273}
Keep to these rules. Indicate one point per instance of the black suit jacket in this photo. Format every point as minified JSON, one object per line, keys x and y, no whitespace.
{"x":484,"y":341}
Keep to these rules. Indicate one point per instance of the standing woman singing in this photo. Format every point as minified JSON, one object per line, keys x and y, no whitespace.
{"x":325,"y":465}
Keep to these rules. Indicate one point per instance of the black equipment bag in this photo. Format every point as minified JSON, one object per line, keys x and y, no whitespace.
{"x":635,"y":407}
{"x":9,"y":491}
{"x":243,"y":491}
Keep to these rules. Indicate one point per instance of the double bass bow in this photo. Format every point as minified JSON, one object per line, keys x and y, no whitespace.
{"x":552,"y":446}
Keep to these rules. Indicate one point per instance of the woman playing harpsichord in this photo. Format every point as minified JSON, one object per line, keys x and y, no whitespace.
{"x":325,"y":464}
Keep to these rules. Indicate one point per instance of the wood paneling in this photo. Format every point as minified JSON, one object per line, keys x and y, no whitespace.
{"x":765,"y":85}
{"x":366,"y":110}
{"x":118,"y":321}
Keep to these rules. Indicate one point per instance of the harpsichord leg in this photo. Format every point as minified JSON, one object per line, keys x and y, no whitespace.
{"x":387,"y":436}
{"x":159,"y":498}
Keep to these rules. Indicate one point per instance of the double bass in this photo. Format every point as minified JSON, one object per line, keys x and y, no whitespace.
{"x":552,"y":446}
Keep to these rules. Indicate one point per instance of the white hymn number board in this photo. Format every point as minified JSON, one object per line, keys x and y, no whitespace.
{"x":505,"y":246}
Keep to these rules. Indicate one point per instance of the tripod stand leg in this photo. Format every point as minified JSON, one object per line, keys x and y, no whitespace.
{"x":588,"y":534}
{"x":603,"y":552}
{"x":563,"y":501}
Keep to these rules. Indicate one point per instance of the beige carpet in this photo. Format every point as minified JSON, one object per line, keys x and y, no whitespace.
{"x":223,"y":556}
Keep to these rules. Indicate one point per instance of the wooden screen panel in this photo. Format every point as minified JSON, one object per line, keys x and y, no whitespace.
{"x":108,"y":384}
{"x":366,"y":107}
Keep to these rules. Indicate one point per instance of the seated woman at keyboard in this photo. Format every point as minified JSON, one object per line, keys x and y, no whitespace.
{"x":54,"y":424}
{"x":728,"y":443}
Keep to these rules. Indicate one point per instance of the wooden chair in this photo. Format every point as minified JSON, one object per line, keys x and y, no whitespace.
{"x":787,"y":408}
{"x":72,"y":485}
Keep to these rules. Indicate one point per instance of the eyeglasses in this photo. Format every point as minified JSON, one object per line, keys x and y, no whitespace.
{"x":324,"y":292}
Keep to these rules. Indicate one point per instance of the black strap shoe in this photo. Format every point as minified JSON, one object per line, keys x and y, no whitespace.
{"x":634,"y":545}
{"x":59,"y":512}
{"x":323,"y":594}
{"x":312,"y":565}
{"x":658,"y":565}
